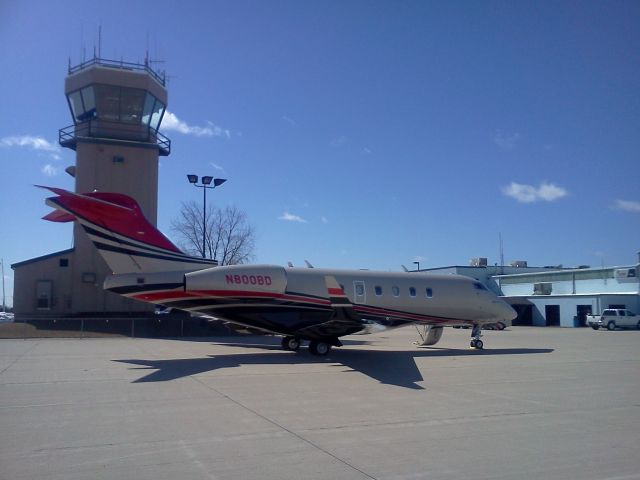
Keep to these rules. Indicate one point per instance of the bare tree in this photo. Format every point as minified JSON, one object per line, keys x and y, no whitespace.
{"x":228,"y":236}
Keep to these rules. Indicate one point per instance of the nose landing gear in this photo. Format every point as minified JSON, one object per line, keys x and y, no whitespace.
{"x":476,"y":333}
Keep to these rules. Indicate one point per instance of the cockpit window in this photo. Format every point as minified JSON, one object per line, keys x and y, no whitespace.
{"x":479,"y":286}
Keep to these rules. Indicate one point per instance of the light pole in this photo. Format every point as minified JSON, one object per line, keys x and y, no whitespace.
{"x":417,"y":263}
{"x":206,"y":181}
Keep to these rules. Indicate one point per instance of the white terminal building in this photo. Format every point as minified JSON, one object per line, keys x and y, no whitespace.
{"x":556,"y":296}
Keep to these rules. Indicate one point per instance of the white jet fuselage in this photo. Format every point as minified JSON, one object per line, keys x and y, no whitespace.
{"x":289,"y":300}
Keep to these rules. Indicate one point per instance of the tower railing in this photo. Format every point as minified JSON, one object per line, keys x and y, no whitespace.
{"x":103,"y":62}
{"x":113,"y":131}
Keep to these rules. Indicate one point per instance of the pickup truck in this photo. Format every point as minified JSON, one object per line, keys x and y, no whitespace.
{"x":613,"y":318}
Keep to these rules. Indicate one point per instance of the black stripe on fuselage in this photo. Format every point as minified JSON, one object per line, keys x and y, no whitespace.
{"x":134,"y":253}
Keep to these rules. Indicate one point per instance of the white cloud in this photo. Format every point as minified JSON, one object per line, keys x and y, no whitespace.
{"x":32,"y":142}
{"x":547,"y":192}
{"x":216,"y":166}
{"x":49,"y":170}
{"x":289,"y":217}
{"x":290,"y":121}
{"x":366,"y":151}
{"x":171,"y":122}
{"x":628,"y":206}
{"x":338,"y":141}
{"x":506,"y":140}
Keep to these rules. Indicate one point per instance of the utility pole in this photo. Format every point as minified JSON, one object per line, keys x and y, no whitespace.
{"x":4,"y":308}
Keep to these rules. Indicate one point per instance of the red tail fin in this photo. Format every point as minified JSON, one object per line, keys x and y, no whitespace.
{"x":118,"y":228}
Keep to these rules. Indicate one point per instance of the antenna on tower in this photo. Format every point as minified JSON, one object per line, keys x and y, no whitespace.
{"x":99,"y":41}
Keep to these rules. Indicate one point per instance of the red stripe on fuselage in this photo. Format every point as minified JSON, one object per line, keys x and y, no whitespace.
{"x":158,"y":296}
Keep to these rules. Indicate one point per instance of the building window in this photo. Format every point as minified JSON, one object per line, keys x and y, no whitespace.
{"x":64,"y":262}
{"x":88,"y":277}
{"x":378,"y":290}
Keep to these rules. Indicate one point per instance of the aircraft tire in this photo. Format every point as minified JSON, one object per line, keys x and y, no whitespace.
{"x":321,"y":349}
{"x":291,"y":343}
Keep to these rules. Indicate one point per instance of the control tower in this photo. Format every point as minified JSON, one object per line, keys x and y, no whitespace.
{"x":117,"y":109}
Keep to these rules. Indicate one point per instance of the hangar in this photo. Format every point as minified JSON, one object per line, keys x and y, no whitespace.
{"x":556,"y":296}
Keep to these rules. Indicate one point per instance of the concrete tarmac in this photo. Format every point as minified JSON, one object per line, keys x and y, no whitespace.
{"x":538,"y":403}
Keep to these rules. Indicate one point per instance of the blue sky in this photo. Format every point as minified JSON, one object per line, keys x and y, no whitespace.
{"x":358,"y":134}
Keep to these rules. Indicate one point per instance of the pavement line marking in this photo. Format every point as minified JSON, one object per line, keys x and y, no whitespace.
{"x":282,"y":427}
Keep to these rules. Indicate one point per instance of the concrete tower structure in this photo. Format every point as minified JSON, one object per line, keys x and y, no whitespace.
{"x":117,"y":109}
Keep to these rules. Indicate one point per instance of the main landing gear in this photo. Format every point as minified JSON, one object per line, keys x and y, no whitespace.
{"x":316,"y":347}
{"x":291,"y":343}
{"x":476,"y":333}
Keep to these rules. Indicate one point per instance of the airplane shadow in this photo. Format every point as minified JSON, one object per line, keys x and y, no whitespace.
{"x":387,"y":367}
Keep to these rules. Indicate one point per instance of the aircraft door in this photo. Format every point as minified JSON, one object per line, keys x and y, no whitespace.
{"x":360,"y":292}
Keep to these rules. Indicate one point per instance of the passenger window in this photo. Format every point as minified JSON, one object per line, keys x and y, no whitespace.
{"x":378,"y":290}
{"x":396,"y":291}
{"x":622,"y":313}
{"x":412,"y":291}
{"x":429,"y":293}
{"x":359,"y":289}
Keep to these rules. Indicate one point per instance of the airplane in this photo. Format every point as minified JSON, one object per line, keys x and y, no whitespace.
{"x":315,"y":305}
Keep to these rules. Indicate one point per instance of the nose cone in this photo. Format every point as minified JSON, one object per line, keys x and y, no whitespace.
{"x":506,"y":311}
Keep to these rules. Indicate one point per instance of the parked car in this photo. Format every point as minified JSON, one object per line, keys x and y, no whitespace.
{"x":613,"y":318}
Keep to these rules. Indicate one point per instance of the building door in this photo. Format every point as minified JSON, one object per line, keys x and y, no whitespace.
{"x":581,"y":312}
{"x":525,"y":315}
{"x":43,"y":295}
{"x":552,"y":315}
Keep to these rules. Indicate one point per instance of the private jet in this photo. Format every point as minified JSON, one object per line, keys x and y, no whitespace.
{"x":313,"y":305}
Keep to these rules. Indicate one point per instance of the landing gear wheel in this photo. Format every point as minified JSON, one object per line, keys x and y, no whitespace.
{"x":320,"y":349}
{"x":476,"y":333}
{"x":291,"y":343}
{"x":611,"y":325}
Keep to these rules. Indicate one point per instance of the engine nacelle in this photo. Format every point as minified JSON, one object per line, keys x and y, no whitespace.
{"x":251,"y":278}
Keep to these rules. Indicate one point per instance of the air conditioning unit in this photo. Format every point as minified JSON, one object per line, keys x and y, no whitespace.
{"x":479,"y":262}
{"x":625,"y":272}
{"x":542,"y":288}
{"x":519,"y":264}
